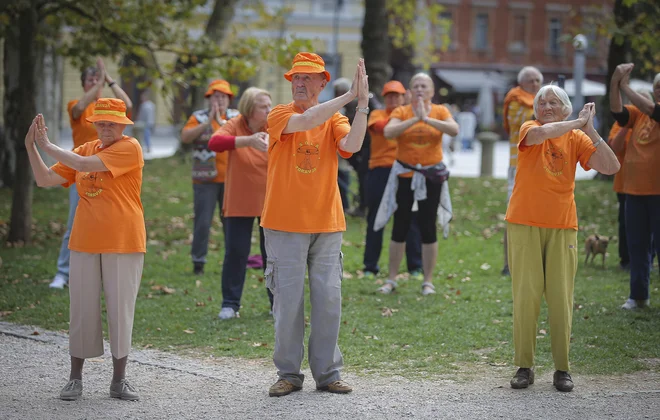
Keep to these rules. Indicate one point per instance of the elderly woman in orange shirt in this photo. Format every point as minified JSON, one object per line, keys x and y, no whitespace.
{"x":641,"y":179}
{"x":246,"y":141}
{"x":542,"y":226}
{"x":418,"y":129}
{"x":108,"y":239}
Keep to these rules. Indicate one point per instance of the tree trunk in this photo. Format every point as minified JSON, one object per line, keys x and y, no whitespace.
{"x":376,"y":53}
{"x":21,"y":109}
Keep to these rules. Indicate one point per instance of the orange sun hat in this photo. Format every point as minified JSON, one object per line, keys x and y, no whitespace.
{"x":109,"y":109}
{"x":393,"y":86}
{"x":306,"y":62}
{"x":221,"y":86}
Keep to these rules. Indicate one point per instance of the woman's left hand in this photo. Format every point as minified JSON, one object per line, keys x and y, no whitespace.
{"x":592,"y":113}
{"x":41,"y":135}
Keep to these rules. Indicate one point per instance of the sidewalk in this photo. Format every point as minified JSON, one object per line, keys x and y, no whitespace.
{"x":34,"y":366}
{"x":466,"y":164}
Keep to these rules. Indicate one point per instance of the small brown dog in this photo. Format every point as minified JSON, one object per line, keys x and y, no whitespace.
{"x":596,"y":244}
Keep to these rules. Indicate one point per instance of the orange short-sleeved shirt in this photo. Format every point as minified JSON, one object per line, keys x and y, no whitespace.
{"x":302,"y":194}
{"x":220,"y":158}
{"x":383,"y":151}
{"x":245,"y":182}
{"x":517,"y":114}
{"x":617,"y":185}
{"x":109,"y":218}
{"x":545,"y":179}
{"x":420,"y":143}
{"x":641,"y":164}
{"x":81,"y":130}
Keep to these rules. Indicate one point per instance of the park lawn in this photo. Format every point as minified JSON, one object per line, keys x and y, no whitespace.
{"x":465,"y":327}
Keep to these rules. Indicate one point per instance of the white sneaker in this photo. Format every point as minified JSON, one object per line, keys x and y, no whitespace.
{"x":59,"y":282}
{"x":227,"y":313}
{"x":635,"y":304}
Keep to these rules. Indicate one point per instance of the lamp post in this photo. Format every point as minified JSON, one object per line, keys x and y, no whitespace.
{"x":580,"y":44}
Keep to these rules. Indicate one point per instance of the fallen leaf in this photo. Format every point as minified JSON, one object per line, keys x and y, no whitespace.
{"x":497,"y":321}
{"x":5,"y":313}
{"x":485,"y":266}
{"x":35,"y":332}
{"x":188,"y":331}
{"x":347,"y":275}
{"x":200,"y":303}
{"x":233,"y":339}
{"x":544,"y":332}
{"x":146,"y":346}
{"x":198,"y":283}
{"x":167,"y":290}
{"x":259,"y":344}
{"x":386,"y":312}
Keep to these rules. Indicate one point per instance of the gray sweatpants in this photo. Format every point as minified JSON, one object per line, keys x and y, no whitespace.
{"x":289,"y":254}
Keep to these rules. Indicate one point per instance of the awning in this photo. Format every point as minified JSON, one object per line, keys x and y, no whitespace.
{"x":589,"y":88}
{"x":472,"y":80}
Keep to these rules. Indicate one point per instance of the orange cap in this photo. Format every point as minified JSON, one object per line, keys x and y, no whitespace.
{"x":393,"y":86}
{"x":221,"y":86}
{"x":109,"y":109}
{"x":306,"y":62}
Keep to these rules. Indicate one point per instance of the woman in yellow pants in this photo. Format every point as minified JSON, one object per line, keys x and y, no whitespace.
{"x":542,"y":225}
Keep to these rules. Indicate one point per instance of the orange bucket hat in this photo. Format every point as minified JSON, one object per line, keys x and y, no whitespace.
{"x":109,"y":109}
{"x":221,"y":86}
{"x":306,"y":62}
{"x":393,"y":86}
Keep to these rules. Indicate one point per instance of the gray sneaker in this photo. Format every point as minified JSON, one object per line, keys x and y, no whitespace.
{"x":72,"y":390}
{"x":227,"y":313}
{"x":123,"y":390}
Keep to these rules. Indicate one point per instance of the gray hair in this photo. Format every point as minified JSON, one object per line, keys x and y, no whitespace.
{"x":656,"y":79}
{"x":342,"y":83}
{"x":526,"y":70}
{"x":559,"y":93}
{"x":421,"y":75}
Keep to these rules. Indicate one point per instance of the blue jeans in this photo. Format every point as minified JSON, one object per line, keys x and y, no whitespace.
{"x":238,"y":240}
{"x":642,"y":226}
{"x":63,"y":258}
{"x":376,"y":182}
{"x":624,"y":257}
{"x":206,"y":196}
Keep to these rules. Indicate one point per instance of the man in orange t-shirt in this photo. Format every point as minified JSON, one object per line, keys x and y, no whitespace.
{"x":381,"y":158}
{"x":518,"y":108}
{"x":303,"y":221}
{"x":641,"y":178}
{"x":93,"y":80}
{"x":208,"y":171}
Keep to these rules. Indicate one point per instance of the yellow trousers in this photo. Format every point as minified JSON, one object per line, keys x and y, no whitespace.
{"x":542,"y":261}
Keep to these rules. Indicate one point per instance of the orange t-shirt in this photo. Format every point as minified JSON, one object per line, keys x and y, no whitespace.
{"x":245,"y":182}
{"x":302,"y":194}
{"x":383,"y":151}
{"x":641,"y":164}
{"x":420,"y":143}
{"x":81,"y":130}
{"x":617,"y":185}
{"x":109,"y":218}
{"x":545,"y":179}
{"x":220,"y":158}
{"x":517,"y":110}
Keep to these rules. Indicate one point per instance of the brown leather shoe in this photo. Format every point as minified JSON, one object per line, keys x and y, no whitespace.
{"x":281,"y":388}
{"x":562,"y":381}
{"x":336,"y":387}
{"x":523,"y":378}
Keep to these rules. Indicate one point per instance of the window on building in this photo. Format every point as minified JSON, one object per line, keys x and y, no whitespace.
{"x":518,"y":34}
{"x":481,"y":31}
{"x":554,"y":35}
{"x":444,"y":33}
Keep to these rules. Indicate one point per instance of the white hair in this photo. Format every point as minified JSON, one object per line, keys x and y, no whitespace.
{"x":559,"y":93}
{"x":421,"y":75}
{"x":526,"y":70}
{"x":342,"y":82}
{"x":656,"y":79}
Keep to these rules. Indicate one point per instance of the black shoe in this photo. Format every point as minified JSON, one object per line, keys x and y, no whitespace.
{"x":523,"y":378}
{"x":562,"y":381}
{"x":198,"y":268}
{"x":505,"y":271}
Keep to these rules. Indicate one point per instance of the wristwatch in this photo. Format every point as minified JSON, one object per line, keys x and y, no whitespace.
{"x":364,"y":110}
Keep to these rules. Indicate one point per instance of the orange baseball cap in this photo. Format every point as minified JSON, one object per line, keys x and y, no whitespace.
{"x":109,"y":109}
{"x":393,"y":86}
{"x":221,"y":86}
{"x":306,"y":62}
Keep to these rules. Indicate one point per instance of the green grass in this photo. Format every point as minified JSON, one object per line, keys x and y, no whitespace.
{"x":466,"y":326}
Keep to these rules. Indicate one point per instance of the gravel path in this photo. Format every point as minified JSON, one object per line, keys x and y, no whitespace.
{"x":33,"y":368}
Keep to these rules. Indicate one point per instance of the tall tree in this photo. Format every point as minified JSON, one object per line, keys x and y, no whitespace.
{"x":115,"y":29}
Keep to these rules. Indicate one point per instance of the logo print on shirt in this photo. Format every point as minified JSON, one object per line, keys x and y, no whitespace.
{"x":307,"y":158}
{"x":90,"y":184}
{"x":644,"y":136}
{"x":554,"y":160}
